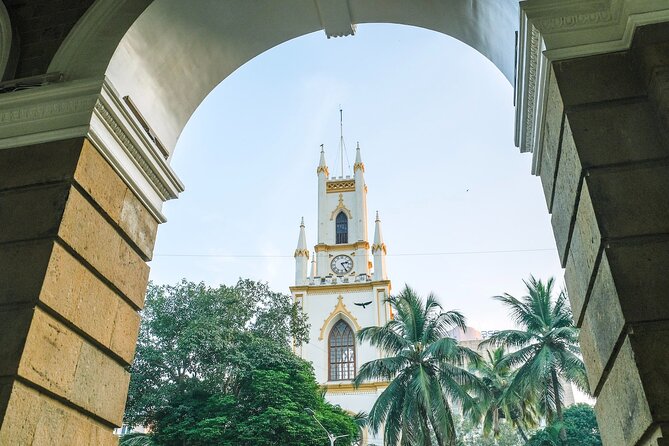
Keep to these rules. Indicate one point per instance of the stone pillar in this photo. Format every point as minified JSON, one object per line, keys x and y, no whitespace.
{"x":605,"y":172}
{"x":74,"y":242}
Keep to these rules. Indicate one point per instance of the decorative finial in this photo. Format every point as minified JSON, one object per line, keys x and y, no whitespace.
{"x":302,"y":222}
{"x":358,"y":160}
{"x":377,"y":216}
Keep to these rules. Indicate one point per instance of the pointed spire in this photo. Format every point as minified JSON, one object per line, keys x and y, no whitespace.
{"x":378,"y":236}
{"x":358,"y":160}
{"x":313,"y":266}
{"x":322,"y":165}
{"x":301,"y":249}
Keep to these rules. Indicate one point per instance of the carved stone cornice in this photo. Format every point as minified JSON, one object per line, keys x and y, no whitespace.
{"x":130,"y":149}
{"x":5,"y":38}
{"x":552,"y":30}
{"x":335,"y":18}
{"x":92,"y":109}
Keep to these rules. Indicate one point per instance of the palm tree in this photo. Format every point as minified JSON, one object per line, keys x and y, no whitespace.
{"x":495,"y":401}
{"x":546,"y":347}
{"x":423,"y":364}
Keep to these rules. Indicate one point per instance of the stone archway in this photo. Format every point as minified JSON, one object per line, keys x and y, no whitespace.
{"x":84,"y":170}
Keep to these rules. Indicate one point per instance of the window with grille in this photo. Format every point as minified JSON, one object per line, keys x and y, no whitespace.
{"x":341,"y":228}
{"x":341,"y":348}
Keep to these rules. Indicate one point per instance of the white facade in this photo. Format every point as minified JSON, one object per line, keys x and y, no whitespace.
{"x":341,"y":275}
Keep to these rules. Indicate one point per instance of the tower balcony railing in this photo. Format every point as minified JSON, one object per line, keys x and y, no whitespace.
{"x":339,"y":280}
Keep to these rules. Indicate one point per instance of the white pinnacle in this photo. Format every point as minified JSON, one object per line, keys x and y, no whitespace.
{"x":302,"y":242}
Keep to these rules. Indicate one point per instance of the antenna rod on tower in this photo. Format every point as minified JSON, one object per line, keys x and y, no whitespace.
{"x":341,"y":139}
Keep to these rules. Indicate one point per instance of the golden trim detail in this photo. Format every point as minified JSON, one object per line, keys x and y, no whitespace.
{"x":357,"y":166}
{"x":340,"y":186}
{"x":323,"y":169}
{"x":349,"y":387}
{"x":377,"y":247}
{"x":340,"y":308}
{"x":327,"y":289}
{"x":350,"y":246}
{"x":301,"y":253}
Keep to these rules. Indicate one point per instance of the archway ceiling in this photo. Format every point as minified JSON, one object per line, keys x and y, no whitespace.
{"x":177,"y":52}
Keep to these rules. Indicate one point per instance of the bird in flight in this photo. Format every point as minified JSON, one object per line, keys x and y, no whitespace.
{"x":362,"y":304}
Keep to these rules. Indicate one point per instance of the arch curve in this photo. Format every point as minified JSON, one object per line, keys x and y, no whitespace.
{"x":168,"y":55}
{"x":340,"y":312}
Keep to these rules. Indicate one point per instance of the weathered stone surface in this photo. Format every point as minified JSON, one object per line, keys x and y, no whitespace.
{"x":80,"y":297}
{"x":60,"y":361}
{"x":552,"y":133}
{"x":617,"y":133}
{"x":15,"y":324}
{"x":622,"y":410}
{"x":585,"y":245}
{"x":566,"y":192}
{"x":649,"y":342}
{"x":35,"y":419}
{"x":631,"y":202}
{"x":92,"y":237}
{"x":22,"y":267}
{"x":109,"y":191}
{"x":39,"y":164}
{"x":27,"y":214}
{"x":597,"y":78}
{"x":602,"y":325}
{"x":642,"y":280}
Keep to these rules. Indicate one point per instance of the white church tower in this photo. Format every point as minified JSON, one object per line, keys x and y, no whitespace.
{"x":343,"y":291}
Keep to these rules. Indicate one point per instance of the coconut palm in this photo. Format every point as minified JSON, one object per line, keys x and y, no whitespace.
{"x":545,"y":347}
{"x":496,"y":401}
{"x":424,"y":367}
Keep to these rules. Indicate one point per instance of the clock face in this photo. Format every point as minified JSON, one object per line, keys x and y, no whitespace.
{"x":341,"y":264}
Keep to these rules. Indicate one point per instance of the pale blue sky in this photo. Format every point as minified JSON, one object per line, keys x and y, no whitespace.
{"x":435,"y":123}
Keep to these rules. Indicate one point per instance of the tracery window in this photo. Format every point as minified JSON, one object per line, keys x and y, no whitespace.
{"x":341,"y":348}
{"x":341,"y":228}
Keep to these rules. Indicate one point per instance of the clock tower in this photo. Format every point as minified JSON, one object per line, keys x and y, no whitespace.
{"x":342,"y":291}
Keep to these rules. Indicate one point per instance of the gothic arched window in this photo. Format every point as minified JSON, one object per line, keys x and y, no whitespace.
{"x":341,"y":348}
{"x":341,"y":228}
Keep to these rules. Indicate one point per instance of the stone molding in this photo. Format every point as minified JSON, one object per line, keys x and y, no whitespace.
{"x":335,"y":18}
{"x":551,"y":31}
{"x":5,"y":39}
{"x":133,"y":154}
{"x":84,"y":109}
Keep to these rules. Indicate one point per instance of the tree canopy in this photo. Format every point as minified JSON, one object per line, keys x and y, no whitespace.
{"x":214,"y":366}
{"x":580,"y":425}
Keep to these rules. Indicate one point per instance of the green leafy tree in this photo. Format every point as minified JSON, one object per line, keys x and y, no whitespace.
{"x":580,"y":425}
{"x":544,"y":349}
{"x":266,"y":408}
{"x":424,"y":366}
{"x":191,"y":335}
{"x":496,"y":401}
{"x":214,"y":367}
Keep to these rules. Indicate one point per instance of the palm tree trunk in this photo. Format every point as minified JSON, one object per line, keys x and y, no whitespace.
{"x":427,"y":438}
{"x":558,"y":408}
{"x":522,"y":433}
{"x":437,"y":432}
